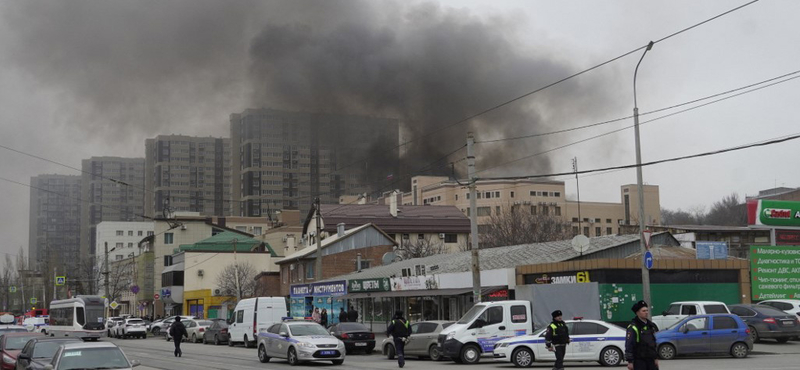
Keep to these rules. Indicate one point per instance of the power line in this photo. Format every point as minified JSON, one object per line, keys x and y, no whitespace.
{"x":648,"y":121}
{"x":642,"y":114}
{"x":768,"y":142}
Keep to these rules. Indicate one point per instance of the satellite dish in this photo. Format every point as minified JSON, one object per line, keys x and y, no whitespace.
{"x":388,"y":258}
{"x":580,"y":243}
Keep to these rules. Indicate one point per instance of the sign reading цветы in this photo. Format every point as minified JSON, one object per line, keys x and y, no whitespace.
{"x":775,"y":272}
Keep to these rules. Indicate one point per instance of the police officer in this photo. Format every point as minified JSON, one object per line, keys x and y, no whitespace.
{"x":399,"y":330}
{"x":640,"y":340}
{"x":556,"y":339}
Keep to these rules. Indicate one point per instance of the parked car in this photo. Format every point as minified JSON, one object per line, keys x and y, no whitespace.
{"x":95,"y":355}
{"x":705,"y":334}
{"x":196,"y":328}
{"x":11,"y":345}
{"x":766,"y":322}
{"x":217,"y":333}
{"x":252,"y":315}
{"x":38,"y":352}
{"x":111,"y":322}
{"x":678,"y":311}
{"x":299,"y":341}
{"x":8,"y":324}
{"x":162,"y":327}
{"x":423,"y":343}
{"x":356,"y":337}
{"x":130,"y":328}
{"x":37,"y":324}
{"x":592,"y":340}
{"x":791,"y":306}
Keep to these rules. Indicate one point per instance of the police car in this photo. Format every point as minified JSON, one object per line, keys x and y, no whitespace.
{"x":591,"y":340}
{"x":299,"y":341}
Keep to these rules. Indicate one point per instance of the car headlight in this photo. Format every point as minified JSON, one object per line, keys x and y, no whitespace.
{"x":501,"y":345}
{"x":305,"y":345}
{"x":451,"y":335}
{"x":8,"y":360}
{"x":341,"y":344}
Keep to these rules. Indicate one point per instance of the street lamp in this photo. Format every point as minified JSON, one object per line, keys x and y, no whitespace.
{"x":639,"y":183}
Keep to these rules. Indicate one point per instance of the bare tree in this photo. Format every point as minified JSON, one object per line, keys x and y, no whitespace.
{"x":516,"y":225}
{"x":421,"y":248}
{"x":241,"y":285}
{"x":728,"y":211}
{"x":120,"y":278}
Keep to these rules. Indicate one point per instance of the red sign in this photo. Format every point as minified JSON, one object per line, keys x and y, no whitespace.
{"x":787,"y":237}
{"x":499,"y":294}
{"x":156,"y":296}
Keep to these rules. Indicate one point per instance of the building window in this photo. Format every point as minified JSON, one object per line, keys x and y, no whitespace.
{"x":575,"y":230}
{"x":558,"y":211}
{"x":533,"y":193}
{"x":512,"y":194}
{"x":557,"y":194}
{"x":257,"y":230}
{"x":130,"y":245}
{"x":533,"y":210}
{"x":484,"y":211}
{"x":545,"y":210}
{"x":139,"y":233}
{"x":420,"y":236}
{"x":406,"y":236}
{"x":585,"y":219}
{"x":467,"y":196}
{"x":574,"y":219}
{"x":497,"y":210}
{"x":120,"y":245}
{"x":456,"y":196}
{"x":118,"y":257}
{"x":168,"y":238}
{"x":310,"y":269}
{"x":241,"y":228}
{"x":597,"y":220}
{"x":150,"y":233}
{"x":608,"y":220}
{"x":497,"y":194}
{"x":364,"y":265}
{"x":586,"y":231}
{"x":130,"y":232}
{"x":609,"y":231}
{"x":597,"y":231}
{"x":120,"y":233}
{"x":451,"y":238}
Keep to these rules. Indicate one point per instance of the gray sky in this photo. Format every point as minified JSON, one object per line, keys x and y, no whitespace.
{"x":84,"y":78}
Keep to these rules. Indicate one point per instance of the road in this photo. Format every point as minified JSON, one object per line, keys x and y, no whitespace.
{"x":156,"y":353}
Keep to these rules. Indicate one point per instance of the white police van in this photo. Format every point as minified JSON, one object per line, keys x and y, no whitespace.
{"x":483,"y":326}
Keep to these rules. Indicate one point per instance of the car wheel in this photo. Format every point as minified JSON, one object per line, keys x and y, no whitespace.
{"x":216,"y":340}
{"x":292,"y":357}
{"x":262,"y":354}
{"x":434,"y":353}
{"x":194,"y":338}
{"x":782,"y":340}
{"x":470,"y":354}
{"x":230,"y":342}
{"x":753,"y":334}
{"x":739,"y":350}
{"x":610,"y":357}
{"x":666,"y":351}
{"x":337,"y":362}
{"x":522,"y":357}
{"x":156,"y":331}
{"x":248,"y":344}
{"x":390,"y":351}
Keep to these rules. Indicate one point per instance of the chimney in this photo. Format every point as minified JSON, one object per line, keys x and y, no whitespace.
{"x":358,"y":262}
{"x":291,"y":244}
{"x":393,"y":204}
{"x":362,"y":198}
{"x":340,"y":230}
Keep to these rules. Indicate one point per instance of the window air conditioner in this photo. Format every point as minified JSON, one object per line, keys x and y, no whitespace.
{"x":217,"y":292}
{"x":441,"y":235}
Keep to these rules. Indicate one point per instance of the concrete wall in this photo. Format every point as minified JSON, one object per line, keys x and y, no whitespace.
{"x":213,"y":264}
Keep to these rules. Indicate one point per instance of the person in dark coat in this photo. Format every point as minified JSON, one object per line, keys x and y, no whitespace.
{"x":399,"y":330}
{"x":640,"y":340}
{"x":556,"y":339}
{"x":342,"y":315}
{"x":178,"y":331}
{"x":323,"y":320}
{"x":352,"y":315}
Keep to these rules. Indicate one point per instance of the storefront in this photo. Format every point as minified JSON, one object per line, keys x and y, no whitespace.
{"x":203,"y":304}
{"x":326,"y":295}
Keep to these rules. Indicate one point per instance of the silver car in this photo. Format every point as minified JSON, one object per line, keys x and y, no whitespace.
{"x":423,"y":341}
{"x":95,"y":355}
{"x":299,"y":341}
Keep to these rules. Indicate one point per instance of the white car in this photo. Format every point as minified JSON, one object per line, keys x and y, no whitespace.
{"x":111,"y":322}
{"x":299,"y":341}
{"x":161,"y":327}
{"x":791,"y":306}
{"x":196,"y":328}
{"x":591,"y":340}
{"x":678,"y":311}
{"x":36,"y":324}
{"x":130,"y":328}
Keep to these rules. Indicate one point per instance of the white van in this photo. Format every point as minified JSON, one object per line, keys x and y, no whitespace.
{"x":252,"y":315}
{"x":678,"y":311}
{"x":483,"y":326}
{"x":36,"y":324}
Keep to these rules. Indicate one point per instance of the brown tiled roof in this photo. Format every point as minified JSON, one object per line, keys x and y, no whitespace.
{"x":410,"y":219}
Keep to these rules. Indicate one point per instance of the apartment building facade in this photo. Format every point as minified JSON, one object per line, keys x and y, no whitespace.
{"x":188,"y":173}
{"x":539,"y":197}
{"x":115,"y":188}
{"x":55,"y":220}
{"x":283,"y":160}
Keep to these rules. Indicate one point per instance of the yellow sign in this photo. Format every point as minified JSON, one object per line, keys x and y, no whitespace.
{"x":113,"y":305}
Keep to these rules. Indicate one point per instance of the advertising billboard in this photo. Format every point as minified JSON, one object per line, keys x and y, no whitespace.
{"x":775,"y":272}
{"x":766,"y":212}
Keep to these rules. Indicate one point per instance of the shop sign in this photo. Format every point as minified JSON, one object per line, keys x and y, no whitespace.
{"x":712,"y":250}
{"x":368,"y":285}
{"x":419,"y":282}
{"x":574,"y":278}
{"x":500,"y":295}
{"x":301,"y":290}
{"x":773,"y":213}
{"x":787,"y":237}
{"x":334,"y":288}
{"x":775,"y":272}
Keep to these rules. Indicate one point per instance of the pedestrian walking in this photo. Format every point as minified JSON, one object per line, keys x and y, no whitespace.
{"x":556,"y":339}
{"x":323,"y":318}
{"x":352,"y":315}
{"x":316,"y":316}
{"x":178,"y":331}
{"x":399,"y":330}
{"x":640,"y":340}
{"x":342,"y":315}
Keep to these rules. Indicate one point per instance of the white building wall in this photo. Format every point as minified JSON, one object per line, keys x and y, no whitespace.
{"x":120,"y":246}
{"x":212,"y":265}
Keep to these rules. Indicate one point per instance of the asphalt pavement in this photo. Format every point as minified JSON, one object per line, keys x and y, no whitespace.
{"x":156,"y":353}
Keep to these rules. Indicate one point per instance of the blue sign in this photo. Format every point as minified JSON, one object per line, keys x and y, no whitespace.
{"x":300,"y":290}
{"x":712,"y":250}
{"x":166,"y":293}
{"x":329,"y":289}
{"x":648,"y":260}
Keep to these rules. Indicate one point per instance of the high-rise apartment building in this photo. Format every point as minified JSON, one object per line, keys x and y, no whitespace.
{"x":55,"y":219}
{"x":115,"y":188}
{"x":283,"y":160}
{"x":191,"y":174}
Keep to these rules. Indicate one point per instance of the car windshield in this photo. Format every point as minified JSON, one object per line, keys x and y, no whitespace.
{"x":222,"y":324}
{"x":136,"y":322}
{"x":472,"y":314}
{"x":48,"y":349}
{"x":769,"y":311}
{"x":352,"y":327}
{"x":307,"y":329}
{"x":204,"y":323}
{"x":93,"y":358}
{"x":16,"y":343}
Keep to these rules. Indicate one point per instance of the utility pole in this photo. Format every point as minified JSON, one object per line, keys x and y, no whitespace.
{"x":55,"y":293}
{"x":640,"y":186}
{"x":578,"y":183}
{"x":105,"y":274}
{"x":318,"y":260}
{"x":236,"y":272}
{"x":473,"y":220}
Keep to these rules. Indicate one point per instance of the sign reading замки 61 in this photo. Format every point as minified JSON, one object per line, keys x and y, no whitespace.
{"x":773,"y":213}
{"x":775,"y":272}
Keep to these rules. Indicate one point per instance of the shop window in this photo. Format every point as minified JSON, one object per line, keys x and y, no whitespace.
{"x":519,"y":314}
